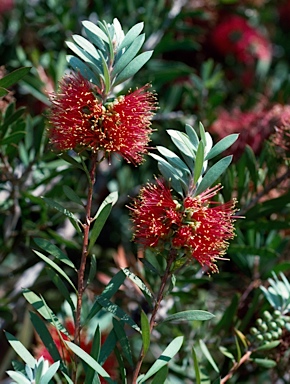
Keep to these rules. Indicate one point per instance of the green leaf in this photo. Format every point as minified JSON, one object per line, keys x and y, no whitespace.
{"x":41,"y":307}
{"x":90,"y":361}
{"x":265,"y":363}
{"x":213,"y":174}
{"x":133,"y":67}
{"x":128,"y":55}
{"x":198,"y":161}
{"x":131,"y":36}
{"x":108,"y":346}
{"x":268,"y":345}
{"x":14,"y":77}
{"x":166,"y":171}
{"x":68,"y":379}
{"x":108,"y":292}
{"x":248,"y":250}
{"x":117,"y":311}
{"x":182,"y":142}
{"x":161,"y":376}
{"x":202,"y":133}
{"x":208,"y":355}
{"x":221,"y":146}
{"x":55,"y":267}
{"x":145,"y":327}
{"x":53,"y":204}
{"x":45,"y":379}
{"x":227,"y":319}
{"x":13,"y":138}
{"x":83,"y":68}
{"x":101,"y":217}
{"x":106,"y":74}
{"x":18,"y":377}
{"x":45,"y":336}
{"x":3,"y":92}
{"x":20,"y":350}
{"x":192,"y":135}
{"x":93,"y":269}
{"x":92,"y":29}
{"x":95,"y":353}
{"x":88,"y":47}
{"x":123,"y":340}
{"x":227,"y":353}
{"x":54,"y":251}
{"x":54,"y":277}
{"x":196,"y":367}
{"x":136,"y":280}
{"x":190,"y":315}
{"x":70,"y":193}
{"x":173,"y":159}
{"x":166,"y":356}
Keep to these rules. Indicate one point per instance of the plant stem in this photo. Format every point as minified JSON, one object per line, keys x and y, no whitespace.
{"x":160,"y":295}
{"x":86,"y":228}
{"x":236,"y":366}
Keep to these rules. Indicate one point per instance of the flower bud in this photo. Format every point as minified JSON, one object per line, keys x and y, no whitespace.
{"x":263,"y":327}
{"x":268,"y":336}
{"x":254,"y":331}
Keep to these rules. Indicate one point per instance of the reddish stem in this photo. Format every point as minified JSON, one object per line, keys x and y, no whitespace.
{"x":236,"y":366}
{"x":159,"y":298}
{"x":81,"y":271}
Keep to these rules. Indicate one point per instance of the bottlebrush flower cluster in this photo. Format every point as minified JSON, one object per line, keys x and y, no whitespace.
{"x":196,"y":227}
{"x":80,"y":120}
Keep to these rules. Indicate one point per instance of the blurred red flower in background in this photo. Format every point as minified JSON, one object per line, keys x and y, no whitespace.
{"x":6,"y":5}
{"x":196,"y":227}
{"x":67,"y":356}
{"x":80,"y":120}
{"x":233,"y":35}
{"x":254,"y":126}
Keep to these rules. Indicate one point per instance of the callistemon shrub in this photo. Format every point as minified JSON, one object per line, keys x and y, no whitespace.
{"x":177,"y":212}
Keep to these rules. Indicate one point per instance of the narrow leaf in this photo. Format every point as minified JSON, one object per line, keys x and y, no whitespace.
{"x":117,"y":311}
{"x":265,"y":363}
{"x":41,"y":307}
{"x":269,"y":345}
{"x":14,"y":77}
{"x":133,"y":67}
{"x":166,"y":356}
{"x":213,"y":174}
{"x":45,"y":379}
{"x":196,"y":367}
{"x":55,"y":267}
{"x":208,"y":355}
{"x":192,"y":135}
{"x":136,"y":280}
{"x":145,"y":327}
{"x":198,"y":161}
{"x":54,"y":277}
{"x":70,"y":193}
{"x":131,"y":35}
{"x":108,"y":292}
{"x":20,"y":350}
{"x":190,"y":315}
{"x":45,"y":336}
{"x":90,"y":361}
{"x":123,"y":340}
{"x":221,"y":146}
{"x":95,"y":30}
{"x":54,"y":251}
{"x":128,"y":55}
{"x":161,"y":376}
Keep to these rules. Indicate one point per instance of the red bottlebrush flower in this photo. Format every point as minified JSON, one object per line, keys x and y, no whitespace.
{"x":67,"y":356}
{"x":79,"y":119}
{"x":254,"y":126}
{"x":191,"y":226}
{"x":234,"y":36}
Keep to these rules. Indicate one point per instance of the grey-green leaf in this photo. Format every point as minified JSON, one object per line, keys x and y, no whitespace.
{"x":133,"y":67}
{"x":131,"y":35}
{"x":189,"y":315}
{"x":221,"y":146}
{"x":213,"y":174}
